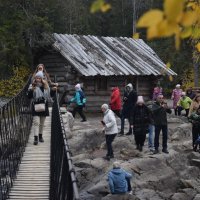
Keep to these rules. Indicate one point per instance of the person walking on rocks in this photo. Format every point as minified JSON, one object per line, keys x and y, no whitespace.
{"x":160,"y":110}
{"x":80,"y":100}
{"x":194,"y":118}
{"x":119,"y":180}
{"x":110,"y":129}
{"x":176,"y":95}
{"x":129,"y":101}
{"x":115,"y":101}
{"x":40,"y":92}
{"x":184,"y":104}
{"x":140,"y":119}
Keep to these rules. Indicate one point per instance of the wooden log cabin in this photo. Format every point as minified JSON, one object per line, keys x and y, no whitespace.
{"x":99,"y":63}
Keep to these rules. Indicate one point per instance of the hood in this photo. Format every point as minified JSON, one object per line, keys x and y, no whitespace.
{"x":117,"y":171}
{"x":114,"y":89}
{"x":78,"y":87}
{"x":130,"y":86}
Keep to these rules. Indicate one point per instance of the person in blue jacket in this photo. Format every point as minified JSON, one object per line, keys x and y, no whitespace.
{"x":80,"y":100}
{"x":119,"y":180}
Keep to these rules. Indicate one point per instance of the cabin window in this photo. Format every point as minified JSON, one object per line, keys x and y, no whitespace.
{"x":102,"y":83}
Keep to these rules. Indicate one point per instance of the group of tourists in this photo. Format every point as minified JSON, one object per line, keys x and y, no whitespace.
{"x":149,"y":117}
{"x":144,"y":118}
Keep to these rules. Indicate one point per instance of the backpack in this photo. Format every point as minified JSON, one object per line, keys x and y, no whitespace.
{"x":82,"y":97}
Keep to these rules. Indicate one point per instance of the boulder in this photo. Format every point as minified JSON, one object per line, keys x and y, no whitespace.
{"x":178,"y":196}
{"x":99,"y":189}
{"x":120,"y":197}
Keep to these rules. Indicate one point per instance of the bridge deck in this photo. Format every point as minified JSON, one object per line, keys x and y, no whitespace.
{"x":33,"y":177}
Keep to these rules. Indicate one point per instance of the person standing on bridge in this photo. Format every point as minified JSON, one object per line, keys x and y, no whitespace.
{"x":46,"y":77}
{"x":40,"y":92}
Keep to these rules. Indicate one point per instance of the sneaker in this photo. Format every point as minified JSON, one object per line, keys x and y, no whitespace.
{"x":106,"y":158}
{"x":130,"y":192}
{"x":140,"y":148}
{"x":35,"y":142}
{"x":83,"y":120}
{"x":156,"y":151}
{"x":129,"y":133}
{"x":165,"y":151}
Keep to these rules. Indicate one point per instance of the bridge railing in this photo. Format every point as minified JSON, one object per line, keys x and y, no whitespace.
{"x":15,"y":124}
{"x":63,"y":185}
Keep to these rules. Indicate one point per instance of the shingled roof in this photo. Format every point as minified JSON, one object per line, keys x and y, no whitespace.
{"x":106,"y":56}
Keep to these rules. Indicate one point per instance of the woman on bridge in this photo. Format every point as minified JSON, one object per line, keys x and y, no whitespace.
{"x":46,"y":77}
{"x":40,"y":92}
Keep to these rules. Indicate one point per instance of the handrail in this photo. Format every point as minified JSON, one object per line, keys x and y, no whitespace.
{"x":15,"y":124}
{"x":63,"y":183}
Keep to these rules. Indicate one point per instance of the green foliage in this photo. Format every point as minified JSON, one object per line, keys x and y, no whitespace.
{"x":13,"y":85}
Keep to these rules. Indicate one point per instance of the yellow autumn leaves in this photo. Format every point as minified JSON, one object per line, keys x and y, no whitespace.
{"x":178,"y":18}
{"x":100,"y":5}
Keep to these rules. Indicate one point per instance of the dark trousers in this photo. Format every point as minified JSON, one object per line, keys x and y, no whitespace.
{"x":180,"y":109}
{"x":109,"y":140}
{"x":195,"y":133}
{"x":79,"y":109}
{"x":140,"y":139}
{"x":158,"y":128}
{"x":129,"y":184}
{"x":123,"y":122}
{"x":117,"y":112}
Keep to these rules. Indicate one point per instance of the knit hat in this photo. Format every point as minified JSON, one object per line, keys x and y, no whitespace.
{"x":140,"y":99}
{"x":39,"y":74}
{"x":178,"y":85}
{"x":78,"y":86}
{"x":105,"y":106}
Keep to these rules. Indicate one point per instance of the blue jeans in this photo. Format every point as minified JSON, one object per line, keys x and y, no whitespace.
{"x":158,"y":128}
{"x":151,"y":134}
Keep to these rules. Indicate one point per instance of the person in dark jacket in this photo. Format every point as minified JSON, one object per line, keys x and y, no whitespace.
{"x":40,"y":92}
{"x":194,"y":118}
{"x":140,"y":119}
{"x":160,"y":110}
{"x":190,"y":93}
{"x":129,"y":101}
{"x":119,"y":180}
{"x":115,"y":101}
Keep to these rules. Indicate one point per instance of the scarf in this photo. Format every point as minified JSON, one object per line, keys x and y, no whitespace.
{"x":38,"y":94}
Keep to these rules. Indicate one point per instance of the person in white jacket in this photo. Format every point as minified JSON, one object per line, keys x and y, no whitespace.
{"x":110,"y":129}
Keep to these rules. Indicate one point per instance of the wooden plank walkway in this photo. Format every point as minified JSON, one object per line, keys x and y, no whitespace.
{"x":33,"y":177}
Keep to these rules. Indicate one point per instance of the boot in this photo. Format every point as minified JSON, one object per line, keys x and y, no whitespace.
{"x":41,"y":138}
{"x":35,"y":140}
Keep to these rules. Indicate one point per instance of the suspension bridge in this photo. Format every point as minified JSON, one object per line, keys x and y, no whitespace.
{"x":33,"y":172}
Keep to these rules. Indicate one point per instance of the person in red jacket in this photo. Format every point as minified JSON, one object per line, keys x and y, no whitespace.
{"x":115,"y":101}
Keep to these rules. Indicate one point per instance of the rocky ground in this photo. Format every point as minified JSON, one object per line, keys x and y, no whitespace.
{"x":173,"y":176}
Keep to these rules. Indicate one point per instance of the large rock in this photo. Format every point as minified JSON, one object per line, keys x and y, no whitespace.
{"x":120,"y":197}
{"x":178,"y":196}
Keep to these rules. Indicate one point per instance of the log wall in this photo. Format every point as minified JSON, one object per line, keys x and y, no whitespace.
{"x":97,"y":88}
